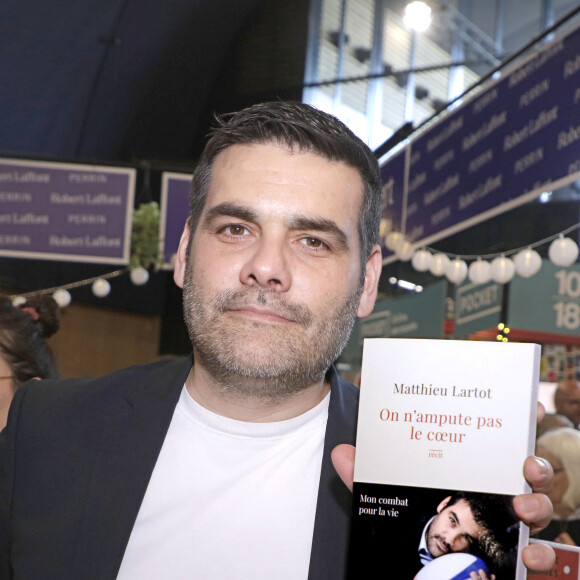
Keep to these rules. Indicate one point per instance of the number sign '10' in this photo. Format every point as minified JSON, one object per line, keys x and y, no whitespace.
{"x":568,"y":312}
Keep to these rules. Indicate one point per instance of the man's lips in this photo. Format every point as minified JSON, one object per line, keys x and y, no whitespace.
{"x":264,"y":314}
{"x":443,"y":547}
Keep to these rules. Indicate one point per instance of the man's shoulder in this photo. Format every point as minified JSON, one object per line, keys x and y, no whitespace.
{"x":139,"y":381}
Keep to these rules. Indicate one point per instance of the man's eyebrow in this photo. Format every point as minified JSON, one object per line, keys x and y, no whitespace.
{"x":322,"y":225}
{"x":459,"y":522}
{"x":299,"y":222}
{"x":230,"y":209}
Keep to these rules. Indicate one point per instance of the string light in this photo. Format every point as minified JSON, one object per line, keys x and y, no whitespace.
{"x":503,"y":331}
{"x":100,"y":286}
{"x":526,"y":261}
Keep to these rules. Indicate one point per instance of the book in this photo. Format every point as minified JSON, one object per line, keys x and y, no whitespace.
{"x":443,"y":430}
{"x":567,"y":566}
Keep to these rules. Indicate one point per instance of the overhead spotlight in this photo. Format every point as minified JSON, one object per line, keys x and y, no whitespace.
{"x":334,"y":37}
{"x":545,"y":196}
{"x":392,"y":280}
{"x":417,"y":16}
{"x":421,"y":93}
{"x":362,"y":54}
{"x":387,"y":68}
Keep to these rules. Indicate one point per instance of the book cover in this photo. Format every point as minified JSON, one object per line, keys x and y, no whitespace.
{"x":444,"y":428}
{"x":567,"y":566}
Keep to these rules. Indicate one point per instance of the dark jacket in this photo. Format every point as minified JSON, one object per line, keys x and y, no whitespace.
{"x":76,"y":459}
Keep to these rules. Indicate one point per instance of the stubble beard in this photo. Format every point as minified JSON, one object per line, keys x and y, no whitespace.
{"x":265,"y":362}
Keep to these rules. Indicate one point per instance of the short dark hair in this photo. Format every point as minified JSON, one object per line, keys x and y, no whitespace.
{"x":494,"y":513}
{"x":299,"y":127}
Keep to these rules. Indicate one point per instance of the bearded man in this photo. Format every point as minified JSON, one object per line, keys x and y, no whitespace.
{"x":219,"y":466}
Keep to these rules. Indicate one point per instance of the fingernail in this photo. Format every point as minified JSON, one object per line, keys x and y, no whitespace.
{"x":543,"y":465}
{"x":534,"y":553}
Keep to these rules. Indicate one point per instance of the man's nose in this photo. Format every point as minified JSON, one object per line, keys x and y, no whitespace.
{"x":268,"y":264}
{"x":456,"y":541}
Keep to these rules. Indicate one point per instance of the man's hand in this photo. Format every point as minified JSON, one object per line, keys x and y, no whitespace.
{"x":481,"y":575}
{"x":534,"y":509}
{"x":343,"y":460}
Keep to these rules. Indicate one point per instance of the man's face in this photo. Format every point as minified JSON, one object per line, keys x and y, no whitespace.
{"x":454,"y":529}
{"x":271,"y":285}
{"x":567,"y":401}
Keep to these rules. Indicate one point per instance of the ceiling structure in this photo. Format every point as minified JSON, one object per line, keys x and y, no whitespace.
{"x":113,"y":80}
{"x":119,"y":81}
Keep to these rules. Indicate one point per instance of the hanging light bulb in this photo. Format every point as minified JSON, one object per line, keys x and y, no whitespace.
{"x":527,"y":262}
{"x":18,"y":301}
{"x":386,"y":226}
{"x":101,"y":288}
{"x":392,"y":239}
{"x":404,"y":249}
{"x":62,"y":297}
{"x":563,"y":251}
{"x":456,"y":271}
{"x":139,"y":276}
{"x":502,"y":270}
{"x":480,"y":271}
{"x":438,"y":264}
{"x":421,"y":260}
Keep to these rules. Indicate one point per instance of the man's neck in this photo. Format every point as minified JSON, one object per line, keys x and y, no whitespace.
{"x":202,"y":388}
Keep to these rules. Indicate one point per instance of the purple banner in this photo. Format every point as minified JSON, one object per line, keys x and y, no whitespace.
{"x":393,"y":175}
{"x":174,"y":211}
{"x":502,"y":148}
{"x":76,"y":213}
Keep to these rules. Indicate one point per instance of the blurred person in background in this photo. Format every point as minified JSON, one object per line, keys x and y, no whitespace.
{"x":567,"y":399}
{"x":552,"y":421}
{"x":24,"y":352}
{"x":561,"y":447}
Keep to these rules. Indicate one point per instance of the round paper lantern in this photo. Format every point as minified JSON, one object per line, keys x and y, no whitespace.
{"x":502,"y":270}
{"x":563,"y":251}
{"x":101,"y":288}
{"x":456,"y":271}
{"x":421,"y":260}
{"x":527,"y":262}
{"x":404,"y":249}
{"x":392,"y":239}
{"x":386,"y":225}
{"x":480,"y":272}
{"x":438,"y":264}
{"x":139,"y":276}
{"x":18,"y":301}
{"x":62,"y":297}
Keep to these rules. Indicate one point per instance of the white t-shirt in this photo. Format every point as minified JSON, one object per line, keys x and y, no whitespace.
{"x":229,"y":499}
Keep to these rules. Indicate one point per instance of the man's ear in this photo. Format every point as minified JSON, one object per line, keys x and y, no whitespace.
{"x":443,"y":504}
{"x":181,"y":256}
{"x":371,"y":283}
